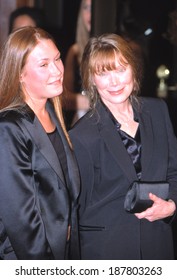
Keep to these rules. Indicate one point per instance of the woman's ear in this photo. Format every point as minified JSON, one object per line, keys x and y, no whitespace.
{"x":93,"y":81}
{"x":21,"y":78}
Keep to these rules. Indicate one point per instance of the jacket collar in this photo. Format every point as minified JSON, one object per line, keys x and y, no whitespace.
{"x":41,"y":140}
{"x":112,"y":139}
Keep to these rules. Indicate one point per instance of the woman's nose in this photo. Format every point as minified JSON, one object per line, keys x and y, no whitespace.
{"x":55,"y":69}
{"x":113,"y":79}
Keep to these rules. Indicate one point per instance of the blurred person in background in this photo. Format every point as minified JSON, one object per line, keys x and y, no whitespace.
{"x":26,"y":16}
{"x":75,"y":104}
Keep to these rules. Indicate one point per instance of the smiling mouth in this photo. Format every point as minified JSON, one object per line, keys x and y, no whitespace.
{"x":116,"y":92}
{"x":56,"y":82}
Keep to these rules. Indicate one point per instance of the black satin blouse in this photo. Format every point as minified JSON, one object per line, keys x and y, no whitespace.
{"x":132,"y":145}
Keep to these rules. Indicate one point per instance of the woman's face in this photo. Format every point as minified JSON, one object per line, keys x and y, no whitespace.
{"x":42,"y":75}
{"x":115,"y":86}
{"x":86,"y":14}
{"x":22,"y":21}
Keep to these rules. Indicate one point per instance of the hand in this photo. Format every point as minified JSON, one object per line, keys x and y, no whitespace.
{"x":160,"y":209}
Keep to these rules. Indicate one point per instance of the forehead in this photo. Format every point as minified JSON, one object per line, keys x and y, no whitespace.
{"x":44,"y":49}
{"x":87,"y":2}
{"x":22,"y":21}
{"x":106,"y":60}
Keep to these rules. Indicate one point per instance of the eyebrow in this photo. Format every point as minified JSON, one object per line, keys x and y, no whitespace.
{"x":47,"y":58}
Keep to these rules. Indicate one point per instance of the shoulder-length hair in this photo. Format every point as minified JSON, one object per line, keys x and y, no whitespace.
{"x":101,"y":54}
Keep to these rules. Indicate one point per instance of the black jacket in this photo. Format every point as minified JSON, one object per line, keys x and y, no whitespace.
{"x":107,"y":231}
{"x":36,"y":206}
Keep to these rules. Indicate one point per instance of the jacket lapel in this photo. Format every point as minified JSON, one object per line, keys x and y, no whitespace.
{"x":112,"y":139}
{"x":41,"y":140}
{"x":146,"y":140}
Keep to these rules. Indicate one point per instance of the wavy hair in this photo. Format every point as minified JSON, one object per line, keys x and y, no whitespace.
{"x":100,"y":54}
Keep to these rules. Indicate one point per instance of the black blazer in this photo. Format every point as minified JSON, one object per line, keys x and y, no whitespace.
{"x":35,"y":203}
{"x":107,"y":231}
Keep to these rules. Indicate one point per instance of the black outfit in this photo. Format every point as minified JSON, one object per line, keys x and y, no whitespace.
{"x":132,"y":145}
{"x":37,"y":201}
{"x":107,"y":169}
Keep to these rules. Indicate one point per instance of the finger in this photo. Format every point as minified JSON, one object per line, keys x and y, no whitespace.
{"x":154,"y":198}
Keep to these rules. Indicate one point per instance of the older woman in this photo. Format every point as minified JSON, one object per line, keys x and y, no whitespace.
{"x":122,"y":139}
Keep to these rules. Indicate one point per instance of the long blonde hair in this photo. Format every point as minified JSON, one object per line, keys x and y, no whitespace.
{"x":13,"y":58}
{"x":82,"y":34}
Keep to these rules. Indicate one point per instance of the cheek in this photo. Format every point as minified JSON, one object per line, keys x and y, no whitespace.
{"x":126,"y":78}
{"x":34,"y":76}
{"x":101,"y":83}
{"x":61,"y":68}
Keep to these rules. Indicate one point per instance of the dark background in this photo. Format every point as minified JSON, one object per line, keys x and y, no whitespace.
{"x":130,"y":17}
{"x":110,"y":16}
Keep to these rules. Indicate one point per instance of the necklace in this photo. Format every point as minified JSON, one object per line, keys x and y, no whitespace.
{"x":126,"y":123}
{"x":125,"y":118}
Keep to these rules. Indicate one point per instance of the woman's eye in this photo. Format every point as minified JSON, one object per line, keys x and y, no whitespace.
{"x":58,"y":58}
{"x":87,"y":8}
{"x":44,"y":65}
{"x":121,"y":69}
{"x":102,"y":74}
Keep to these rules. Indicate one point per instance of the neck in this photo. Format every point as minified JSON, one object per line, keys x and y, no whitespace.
{"x":124,"y":115}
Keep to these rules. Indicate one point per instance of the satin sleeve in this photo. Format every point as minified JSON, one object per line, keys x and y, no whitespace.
{"x":19,"y":209}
